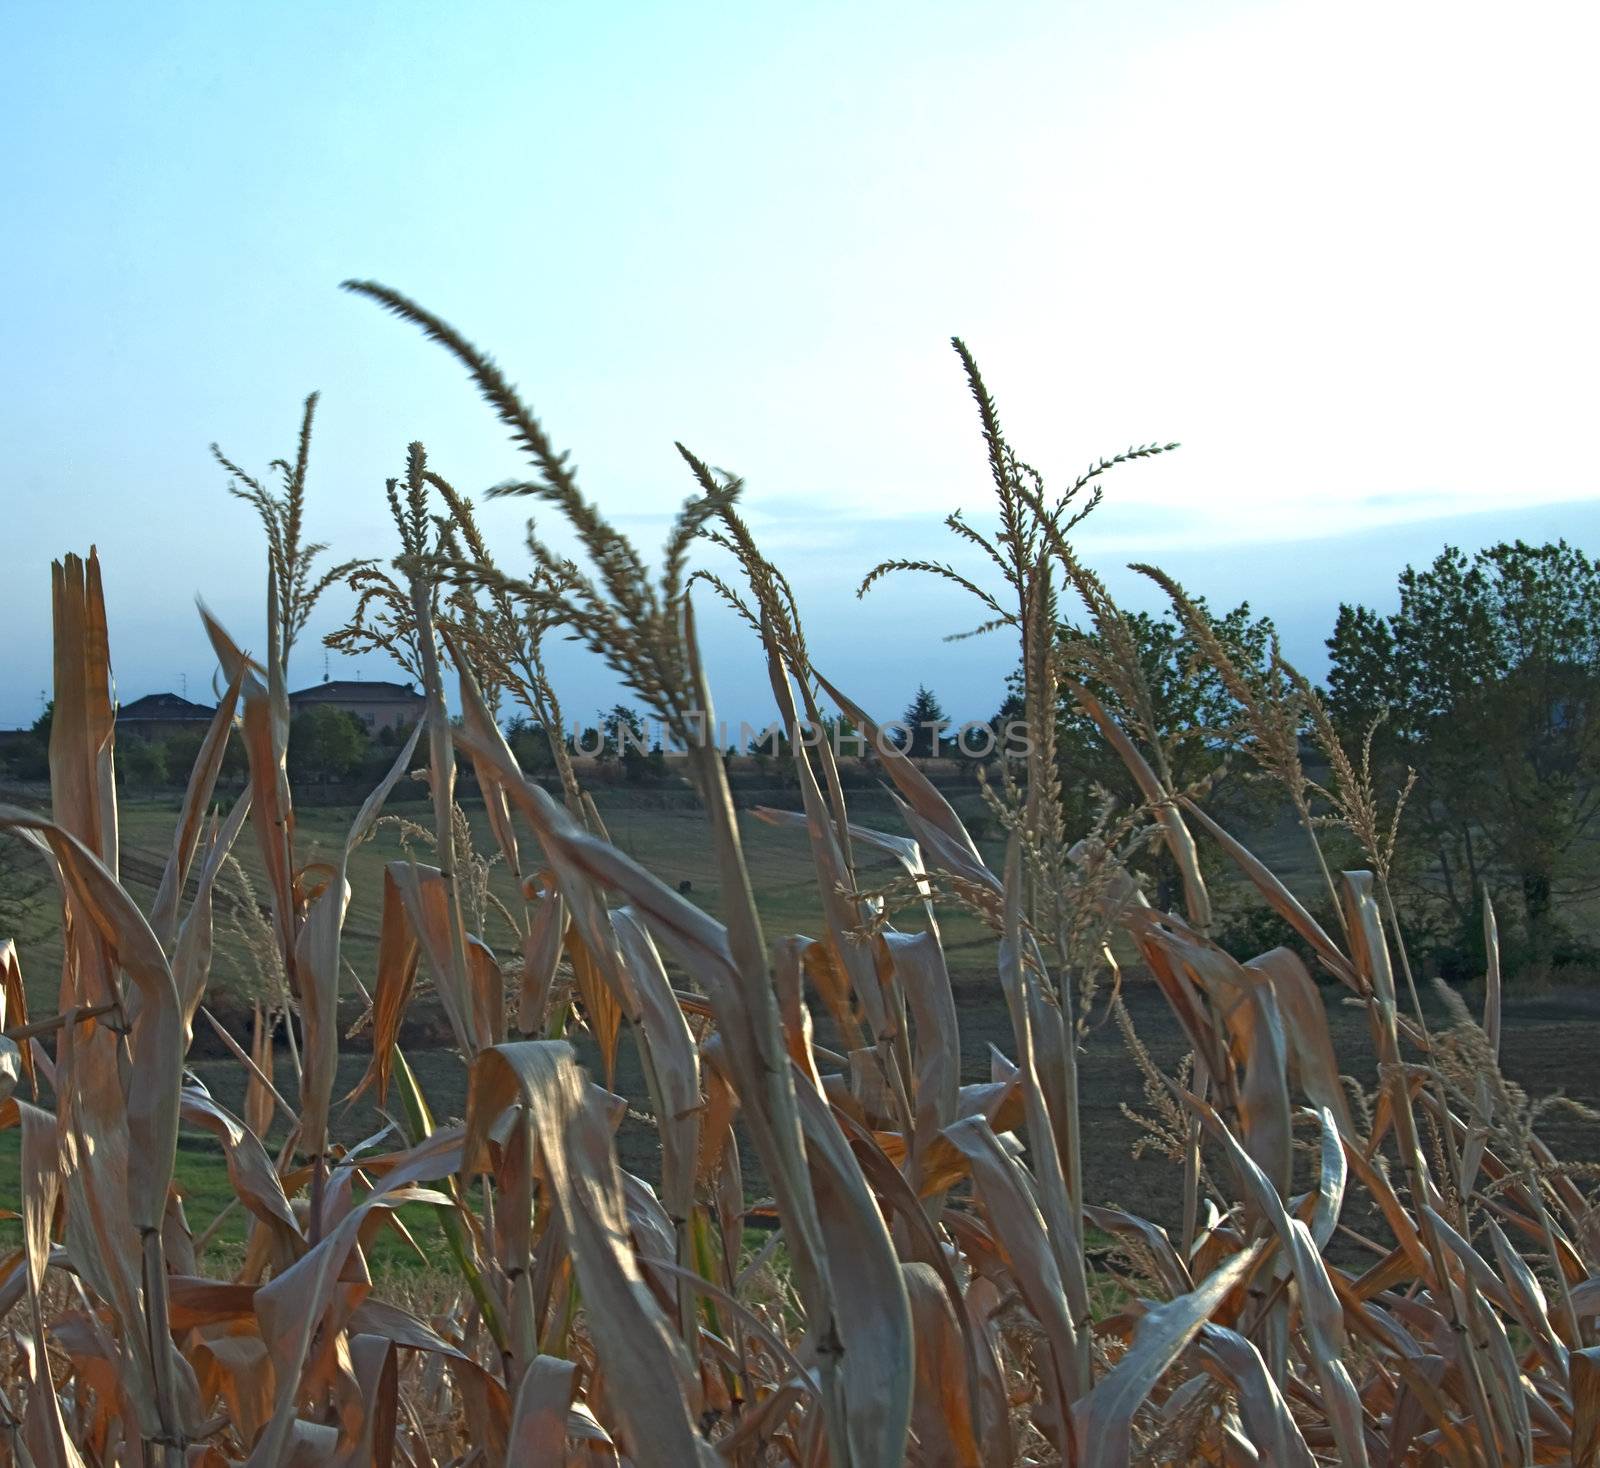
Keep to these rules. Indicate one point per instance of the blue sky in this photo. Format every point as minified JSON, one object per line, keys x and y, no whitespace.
{"x":1344,"y":254}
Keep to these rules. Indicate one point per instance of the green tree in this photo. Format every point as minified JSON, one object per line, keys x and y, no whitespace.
{"x":1194,"y":714}
{"x":773,"y":741}
{"x":926,"y":723}
{"x":183,"y":754}
{"x":142,"y":764}
{"x":235,"y":760}
{"x":325,"y":744}
{"x":624,"y":743}
{"x":530,"y":744}
{"x":28,"y":757}
{"x":1489,"y":675}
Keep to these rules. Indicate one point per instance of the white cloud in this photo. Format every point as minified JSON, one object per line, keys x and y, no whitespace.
{"x":1346,"y":254}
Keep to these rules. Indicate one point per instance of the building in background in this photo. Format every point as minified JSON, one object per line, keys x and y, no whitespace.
{"x":159,"y":716}
{"x":378,"y":706}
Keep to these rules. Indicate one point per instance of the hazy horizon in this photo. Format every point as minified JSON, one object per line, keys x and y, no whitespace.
{"x":1344,"y":258}
{"x":920,"y":614}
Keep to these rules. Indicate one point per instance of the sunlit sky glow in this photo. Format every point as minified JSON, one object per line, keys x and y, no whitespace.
{"x":1345,"y":254}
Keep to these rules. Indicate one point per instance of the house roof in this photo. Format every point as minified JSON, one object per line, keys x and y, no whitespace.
{"x":166,"y":708}
{"x":347,"y":690}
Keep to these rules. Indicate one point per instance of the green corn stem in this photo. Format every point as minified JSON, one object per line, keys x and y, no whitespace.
{"x":419,"y":1126}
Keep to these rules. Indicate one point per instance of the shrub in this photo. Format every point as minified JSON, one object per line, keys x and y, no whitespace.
{"x":142,"y":764}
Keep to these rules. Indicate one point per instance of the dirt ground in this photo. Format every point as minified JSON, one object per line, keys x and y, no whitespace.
{"x":1550,"y":1039}
{"x":1549,"y":1044}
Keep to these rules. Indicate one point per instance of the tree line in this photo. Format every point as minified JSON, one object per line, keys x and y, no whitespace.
{"x":1473,"y":706}
{"x":1471,"y":711}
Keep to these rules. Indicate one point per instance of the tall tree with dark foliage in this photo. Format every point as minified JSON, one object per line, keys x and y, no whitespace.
{"x":1488,"y":680}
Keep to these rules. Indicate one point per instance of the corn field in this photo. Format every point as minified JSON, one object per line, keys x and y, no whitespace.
{"x":934,"y":1288}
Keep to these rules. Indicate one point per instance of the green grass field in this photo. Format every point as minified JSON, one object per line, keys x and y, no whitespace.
{"x":1544,"y":1036}
{"x":670,"y":842}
